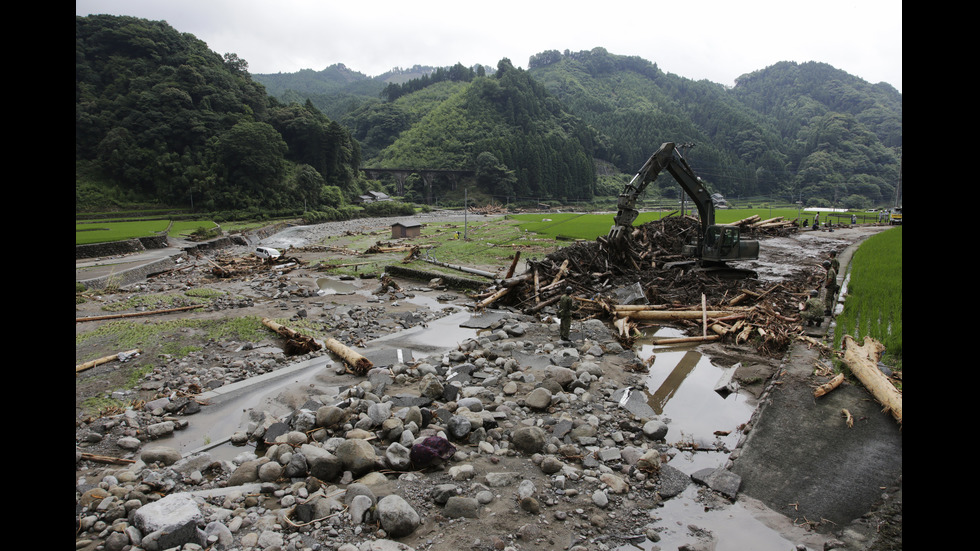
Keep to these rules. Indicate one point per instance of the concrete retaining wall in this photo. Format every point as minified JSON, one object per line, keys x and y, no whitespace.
{"x":132,"y":275}
{"x":115,"y":248}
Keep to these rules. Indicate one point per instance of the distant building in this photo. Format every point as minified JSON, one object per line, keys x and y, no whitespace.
{"x":406,"y":229}
{"x":373,"y":196}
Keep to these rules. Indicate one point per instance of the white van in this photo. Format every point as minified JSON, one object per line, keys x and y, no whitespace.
{"x":267,"y":252}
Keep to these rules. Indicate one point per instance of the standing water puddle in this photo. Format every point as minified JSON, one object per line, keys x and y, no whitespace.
{"x":229,"y":404}
{"x":680,"y":388}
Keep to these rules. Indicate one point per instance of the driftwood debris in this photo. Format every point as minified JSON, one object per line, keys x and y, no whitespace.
{"x":106,"y":459}
{"x":246,"y":266}
{"x":137,"y":314}
{"x":829,"y":385}
{"x":862,"y":360}
{"x":740,"y":309}
{"x":296,"y":343}
{"x":356,"y":362}
{"x":105,"y":359}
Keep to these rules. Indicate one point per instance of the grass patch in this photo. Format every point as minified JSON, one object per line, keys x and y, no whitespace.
{"x":106,"y":231}
{"x":874,"y":295}
{"x":175,"y":338}
{"x":163,"y":301}
{"x":570,"y":225}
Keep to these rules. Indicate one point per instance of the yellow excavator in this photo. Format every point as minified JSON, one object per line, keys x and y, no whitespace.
{"x":716,"y":244}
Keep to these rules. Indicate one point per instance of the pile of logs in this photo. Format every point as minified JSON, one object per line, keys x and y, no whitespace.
{"x":777,"y":226}
{"x":718,"y":308}
{"x":228,"y":267}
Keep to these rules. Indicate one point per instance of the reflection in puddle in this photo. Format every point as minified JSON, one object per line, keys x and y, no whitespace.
{"x":680,"y":388}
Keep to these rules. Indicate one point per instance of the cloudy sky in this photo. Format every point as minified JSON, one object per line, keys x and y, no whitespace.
{"x":717,"y":40}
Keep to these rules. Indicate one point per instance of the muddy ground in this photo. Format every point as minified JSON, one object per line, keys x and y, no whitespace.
{"x":292,"y":296}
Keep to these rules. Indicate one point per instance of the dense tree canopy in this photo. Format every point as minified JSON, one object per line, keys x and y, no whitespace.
{"x":163,"y":118}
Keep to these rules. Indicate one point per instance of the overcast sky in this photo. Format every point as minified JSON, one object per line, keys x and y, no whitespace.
{"x":717,"y":40}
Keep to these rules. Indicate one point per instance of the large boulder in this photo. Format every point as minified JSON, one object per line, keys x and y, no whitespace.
{"x":397,"y":517}
{"x":171,"y":521}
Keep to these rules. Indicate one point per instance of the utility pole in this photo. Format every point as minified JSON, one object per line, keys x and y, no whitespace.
{"x":898,"y":188}
{"x":684,"y":147}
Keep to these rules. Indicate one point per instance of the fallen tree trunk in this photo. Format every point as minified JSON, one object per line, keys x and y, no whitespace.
{"x":105,"y":359}
{"x":135,"y":314}
{"x":862,"y":360}
{"x":358,"y":364}
{"x":296,"y":343}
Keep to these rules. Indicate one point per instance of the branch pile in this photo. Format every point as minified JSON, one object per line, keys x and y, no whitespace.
{"x":601,"y":277}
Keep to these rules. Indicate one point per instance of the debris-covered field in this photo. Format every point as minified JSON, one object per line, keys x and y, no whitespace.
{"x":604,"y":278}
{"x":510,"y":440}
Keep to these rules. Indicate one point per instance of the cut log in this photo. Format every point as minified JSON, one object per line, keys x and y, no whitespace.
{"x":561,"y":272}
{"x":490,"y":300}
{"x":357,"y":363}
{"x":862,"y":360}
{"x":673,"y":315}
{"x":105,"y":359}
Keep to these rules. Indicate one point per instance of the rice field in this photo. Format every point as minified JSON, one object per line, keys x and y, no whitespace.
{"x":874,"y":295}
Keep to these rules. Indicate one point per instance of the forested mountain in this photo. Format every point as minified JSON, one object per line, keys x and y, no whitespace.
{"x":518,"y":137}
{"x":790,"y":130}
{"x":161,"y":117}
{"x":338,"y":90}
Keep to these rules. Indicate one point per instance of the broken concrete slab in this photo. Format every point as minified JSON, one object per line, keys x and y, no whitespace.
{"x":634,"y":401}
{"x":484,"y":321}
{"x":726,"y":385}
{"x":720,"y":480}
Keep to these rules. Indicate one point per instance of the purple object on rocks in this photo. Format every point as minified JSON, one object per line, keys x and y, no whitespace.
{"x":431,"y":449}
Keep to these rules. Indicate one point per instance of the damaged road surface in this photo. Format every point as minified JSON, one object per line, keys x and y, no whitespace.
{"x":478,"y":428}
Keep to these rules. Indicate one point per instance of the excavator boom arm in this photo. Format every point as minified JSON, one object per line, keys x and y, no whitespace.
{"x":669,"y":159}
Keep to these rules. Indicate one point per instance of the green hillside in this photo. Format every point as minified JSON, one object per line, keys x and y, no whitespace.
{"x":163,"y":120}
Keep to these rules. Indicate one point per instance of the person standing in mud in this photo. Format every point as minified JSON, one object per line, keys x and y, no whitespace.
{"x":565,"y":314}
{"x":834,"y":263}
{"x":830,"y":287}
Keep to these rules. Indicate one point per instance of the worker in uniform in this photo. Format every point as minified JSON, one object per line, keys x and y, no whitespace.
{"x":830,"y":287}
{"x":813,"y":309}
{"x":834,"y":263}
{"x":565,"y":314}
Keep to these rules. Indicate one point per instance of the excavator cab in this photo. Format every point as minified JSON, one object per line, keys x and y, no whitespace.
{"x":723,"y":244}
